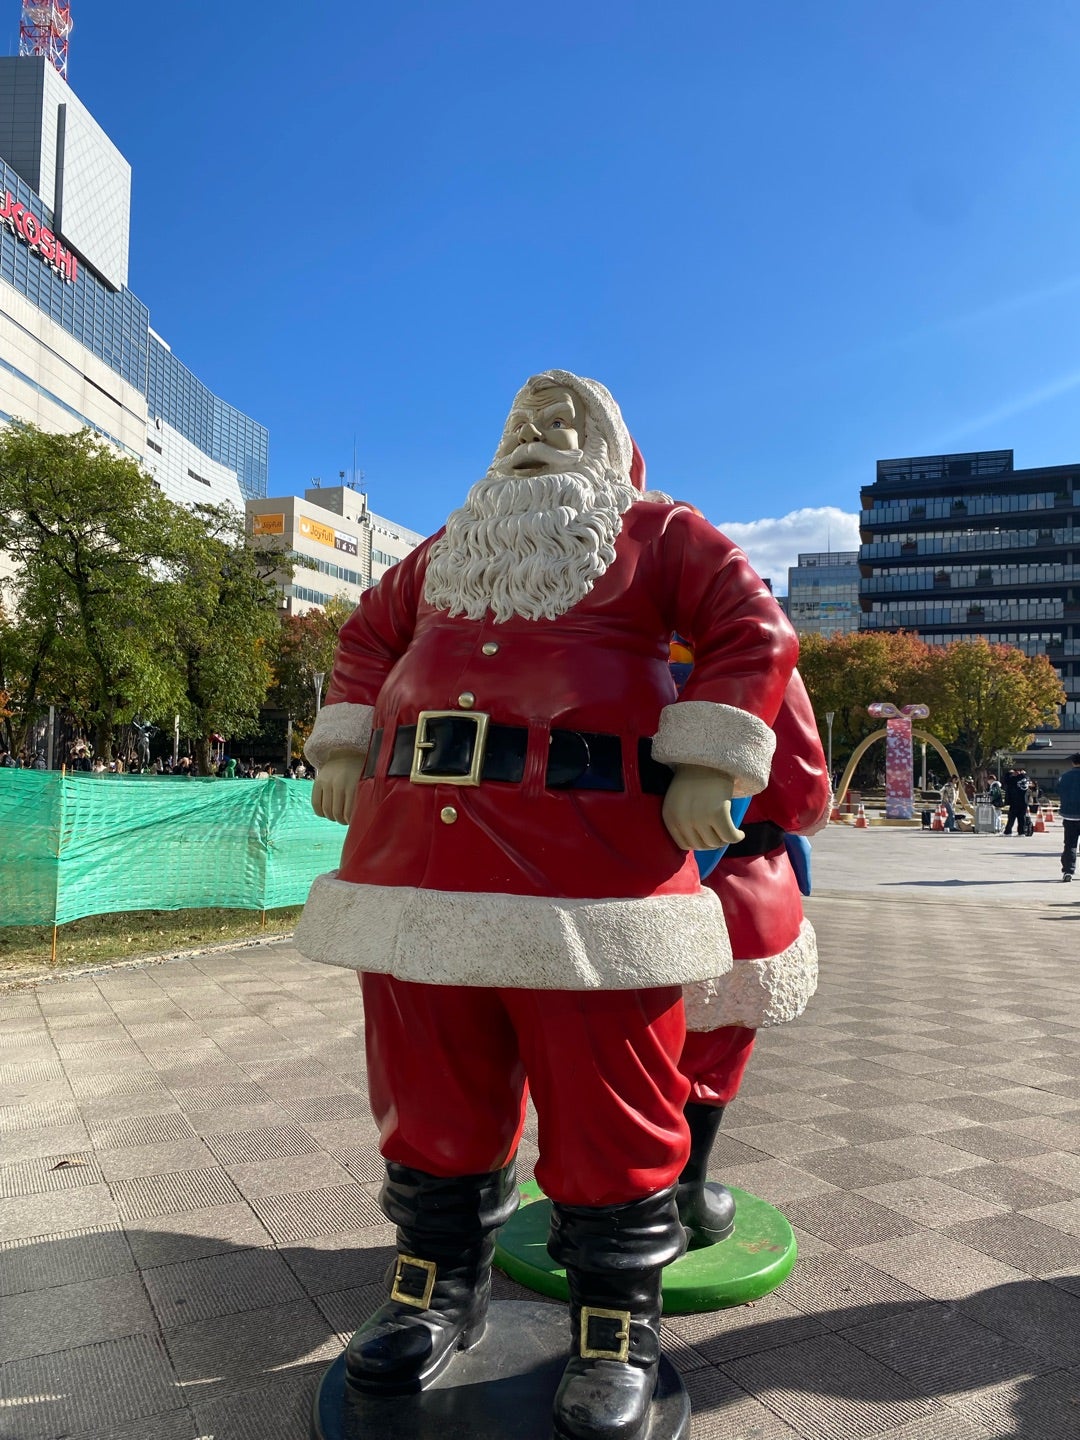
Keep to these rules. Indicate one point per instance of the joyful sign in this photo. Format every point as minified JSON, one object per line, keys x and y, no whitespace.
{"x":25,"y":224}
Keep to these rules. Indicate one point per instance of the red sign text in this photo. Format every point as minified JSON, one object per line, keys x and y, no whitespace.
{"x":25,"y":224}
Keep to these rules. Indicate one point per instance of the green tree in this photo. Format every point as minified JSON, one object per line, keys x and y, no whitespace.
{"x":992,"y":697}
{"x":221,"y":607}
{"x":846,"y":673}
{"x":83,"y":526}
{"x":305,"y":649}
{"x":981,"y":697}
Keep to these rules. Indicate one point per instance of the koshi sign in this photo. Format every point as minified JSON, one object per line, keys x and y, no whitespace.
{"x":22,"y":222}
{"x":899,"y":758}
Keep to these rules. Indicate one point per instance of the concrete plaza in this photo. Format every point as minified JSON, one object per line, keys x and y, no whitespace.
{"x":189,"y":1228}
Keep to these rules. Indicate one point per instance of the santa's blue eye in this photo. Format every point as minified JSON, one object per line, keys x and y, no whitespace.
{"x":556,"y":424}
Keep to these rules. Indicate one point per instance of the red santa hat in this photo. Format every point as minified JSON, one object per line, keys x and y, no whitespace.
{"x":637,"y":467}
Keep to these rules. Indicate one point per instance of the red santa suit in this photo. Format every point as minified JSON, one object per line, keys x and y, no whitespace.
{"x":773,"y":944}
{"x":540,"y":923}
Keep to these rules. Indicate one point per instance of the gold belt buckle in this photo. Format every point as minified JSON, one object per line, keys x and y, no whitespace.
{"x":591,"y":1352}
{"x":422,"y":743}
{"x":427,"y":1269}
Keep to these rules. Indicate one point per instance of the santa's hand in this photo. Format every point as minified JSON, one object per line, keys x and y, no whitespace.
{"x":335,"y":786}
{"x":697,"y":809}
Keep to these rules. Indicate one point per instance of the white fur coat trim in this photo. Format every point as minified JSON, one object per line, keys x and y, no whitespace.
{"x":819,"y":824}
{"x":757,"y":993}
{"x":720,"y":737}
{"x":521,"y":941}
{"x":339,"y":727}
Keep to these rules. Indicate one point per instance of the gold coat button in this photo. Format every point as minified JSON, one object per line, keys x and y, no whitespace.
{"x":466,"y":700}
{"x":491,"y":648}
{"x":448,"y":814}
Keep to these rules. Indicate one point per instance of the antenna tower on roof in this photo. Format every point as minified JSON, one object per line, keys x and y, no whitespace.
{"x":44,"y":30}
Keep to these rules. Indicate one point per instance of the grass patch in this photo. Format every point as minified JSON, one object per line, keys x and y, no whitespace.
{"x":101,"y":938}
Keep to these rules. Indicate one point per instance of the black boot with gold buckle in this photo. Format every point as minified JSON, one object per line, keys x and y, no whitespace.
{"x":614,"y":1258}
{"x":441,"y":1280}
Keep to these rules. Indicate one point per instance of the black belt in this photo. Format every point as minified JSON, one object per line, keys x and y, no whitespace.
{"x":577,"y":759}
{"x":759,"y":837}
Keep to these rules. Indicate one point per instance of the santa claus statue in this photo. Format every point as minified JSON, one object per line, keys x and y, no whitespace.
{"x":523,"y":793}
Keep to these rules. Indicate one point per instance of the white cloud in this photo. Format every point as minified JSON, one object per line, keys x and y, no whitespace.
{"x":773,"y":545}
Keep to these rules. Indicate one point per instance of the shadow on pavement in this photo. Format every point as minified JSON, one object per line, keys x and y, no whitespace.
{"x":246,"y":1332}
{"x":942,"y":884}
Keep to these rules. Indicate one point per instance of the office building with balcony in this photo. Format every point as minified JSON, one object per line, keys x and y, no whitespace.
{"x":336,"y":546}
{"x":961,"y":546}
{"x":823,"y":593}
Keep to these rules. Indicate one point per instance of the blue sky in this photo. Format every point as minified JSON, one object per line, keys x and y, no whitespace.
{"x":791,"y":239}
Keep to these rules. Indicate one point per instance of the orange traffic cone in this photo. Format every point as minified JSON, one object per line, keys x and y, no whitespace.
{"x":1039,"y":827}
{"x":1048,"y":814}
{"x":861,"y":821}
{"x":938,"y":821}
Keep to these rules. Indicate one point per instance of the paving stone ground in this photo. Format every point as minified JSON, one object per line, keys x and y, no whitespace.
{"x":188,"y":1178}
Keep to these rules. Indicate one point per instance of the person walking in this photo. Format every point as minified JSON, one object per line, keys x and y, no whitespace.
{"x":1069,"y":801}
{"x":1016,"y":788}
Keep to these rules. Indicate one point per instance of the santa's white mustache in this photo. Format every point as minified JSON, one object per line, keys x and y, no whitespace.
{"x":537,"y":452}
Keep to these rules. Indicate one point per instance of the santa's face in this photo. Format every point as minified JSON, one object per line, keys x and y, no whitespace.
{"x":538,"y":531}
{"x":544,"y":435}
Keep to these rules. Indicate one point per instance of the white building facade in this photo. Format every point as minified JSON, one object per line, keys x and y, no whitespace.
{"x":76,"y":347}
{"x":337,"y":546}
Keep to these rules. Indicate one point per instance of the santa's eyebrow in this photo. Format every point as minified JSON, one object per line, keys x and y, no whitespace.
{"x":564,"y":407}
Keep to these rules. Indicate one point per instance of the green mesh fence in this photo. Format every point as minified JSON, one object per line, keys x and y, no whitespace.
{"x":75,"y":845}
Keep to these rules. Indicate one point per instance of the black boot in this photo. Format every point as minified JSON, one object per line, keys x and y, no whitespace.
{"x":707,"y":1209}
{"x":441,"y":1282}
{"x":614,"y":1258}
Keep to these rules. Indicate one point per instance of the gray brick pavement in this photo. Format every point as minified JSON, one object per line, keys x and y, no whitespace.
{"x":188,"y":1176}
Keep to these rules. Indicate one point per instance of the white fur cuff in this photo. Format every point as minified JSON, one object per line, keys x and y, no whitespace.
{"x":757,"y":993}
{"x":339,"y":727}
{"x":445,"y":937}
{"x":720,"y":737}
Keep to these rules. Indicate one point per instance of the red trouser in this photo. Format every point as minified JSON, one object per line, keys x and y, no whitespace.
{"x":714,"y":1061}
{"x":447,"y":1073}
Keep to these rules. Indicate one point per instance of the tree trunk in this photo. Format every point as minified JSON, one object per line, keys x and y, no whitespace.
{"x":103,"y":737}
{"x":202,"y":756}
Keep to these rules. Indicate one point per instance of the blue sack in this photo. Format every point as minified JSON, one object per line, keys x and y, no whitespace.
{"x":707,"y":860}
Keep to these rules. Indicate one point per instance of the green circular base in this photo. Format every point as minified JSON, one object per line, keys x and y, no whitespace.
{"x":758,"y":1257}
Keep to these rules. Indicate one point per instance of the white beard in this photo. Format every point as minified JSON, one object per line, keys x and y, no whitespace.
{"x":532,"y":545}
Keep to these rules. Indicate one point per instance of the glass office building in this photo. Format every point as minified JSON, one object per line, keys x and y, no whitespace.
{"x":823,"y":593}
{"x":76,"y":346}
{"x":958,"y":546}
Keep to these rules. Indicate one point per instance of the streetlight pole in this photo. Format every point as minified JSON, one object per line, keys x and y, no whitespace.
{"x":830,"y":716}
{"x":318,"y":676}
